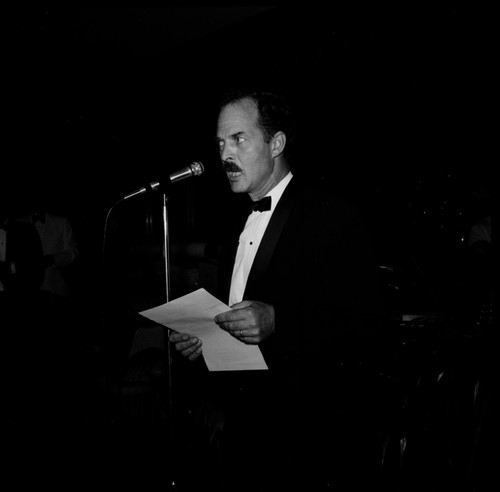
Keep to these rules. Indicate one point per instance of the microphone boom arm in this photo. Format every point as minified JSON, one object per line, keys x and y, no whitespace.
{"x":194,"y":169}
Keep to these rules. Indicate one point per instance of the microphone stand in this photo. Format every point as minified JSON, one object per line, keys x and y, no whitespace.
{"x":166,"y":254}
{"x":195,"y":169}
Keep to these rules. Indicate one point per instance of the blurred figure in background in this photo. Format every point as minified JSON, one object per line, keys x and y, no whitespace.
{"x":480,"y":255}
{"x":21,"y":259}
{"x":42,"y":334}
{"x":479,"y":238}
{"x":59,"y":246}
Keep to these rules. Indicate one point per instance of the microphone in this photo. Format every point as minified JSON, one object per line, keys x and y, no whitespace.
{"x":194,"y":169}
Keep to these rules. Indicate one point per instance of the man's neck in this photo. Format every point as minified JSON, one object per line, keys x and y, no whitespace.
{"x":273,"y":181}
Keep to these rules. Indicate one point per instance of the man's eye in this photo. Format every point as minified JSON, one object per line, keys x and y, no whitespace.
{"x":240,"y":140}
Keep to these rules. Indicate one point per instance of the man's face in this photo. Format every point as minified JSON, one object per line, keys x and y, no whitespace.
{"x":246,"y":157}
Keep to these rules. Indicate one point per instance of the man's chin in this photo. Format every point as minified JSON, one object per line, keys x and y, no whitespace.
{"x":237,"y":186}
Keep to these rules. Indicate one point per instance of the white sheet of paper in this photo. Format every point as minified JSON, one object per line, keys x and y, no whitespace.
{"x":194,"y":314}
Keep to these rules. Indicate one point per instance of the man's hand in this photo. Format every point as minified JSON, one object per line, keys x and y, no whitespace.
{"x":249,"y":321}
{"x":187,"y":345}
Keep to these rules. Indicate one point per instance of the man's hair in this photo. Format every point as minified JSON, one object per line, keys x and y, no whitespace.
{"x":274,"y":112}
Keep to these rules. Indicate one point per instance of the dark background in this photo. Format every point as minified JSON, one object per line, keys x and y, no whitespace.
{"x":394,"y":105}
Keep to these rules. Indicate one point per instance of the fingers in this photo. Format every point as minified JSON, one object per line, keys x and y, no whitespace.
{"x":248,"y":321}
{"x":241,"y":334}
{"x":250,"y":337}
{"x":175,"y":337}
{"x":241,"y":328}
{"x":188,"y":346}
{"x":238,"y":319}
{"x":196,"y":353}
{"x":236,"y":314}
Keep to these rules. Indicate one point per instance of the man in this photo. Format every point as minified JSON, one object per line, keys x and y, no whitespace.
{"x":299,"y":277}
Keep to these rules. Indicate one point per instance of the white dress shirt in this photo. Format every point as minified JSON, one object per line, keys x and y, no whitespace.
{"x":249,"y":242}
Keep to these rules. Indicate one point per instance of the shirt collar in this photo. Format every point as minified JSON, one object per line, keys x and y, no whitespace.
{"x":278,"y":190}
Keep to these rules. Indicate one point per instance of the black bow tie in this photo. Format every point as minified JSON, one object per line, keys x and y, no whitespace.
{"x":262,"y":205}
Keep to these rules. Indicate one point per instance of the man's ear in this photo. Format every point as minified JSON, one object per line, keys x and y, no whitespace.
{"x":278,"y":143}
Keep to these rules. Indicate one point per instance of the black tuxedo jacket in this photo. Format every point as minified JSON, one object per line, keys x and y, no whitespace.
{"x":315,"y":266}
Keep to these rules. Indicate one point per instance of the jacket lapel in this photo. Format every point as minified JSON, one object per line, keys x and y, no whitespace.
{"x":270,"y":239}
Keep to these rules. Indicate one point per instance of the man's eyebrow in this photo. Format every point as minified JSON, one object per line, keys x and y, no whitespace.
{"x":233,"y":136}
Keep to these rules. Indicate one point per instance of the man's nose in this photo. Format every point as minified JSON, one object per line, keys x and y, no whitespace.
{"x":225,"y":152}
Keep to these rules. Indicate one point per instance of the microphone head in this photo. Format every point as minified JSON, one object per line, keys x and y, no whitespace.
{"x":197,"y":168}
